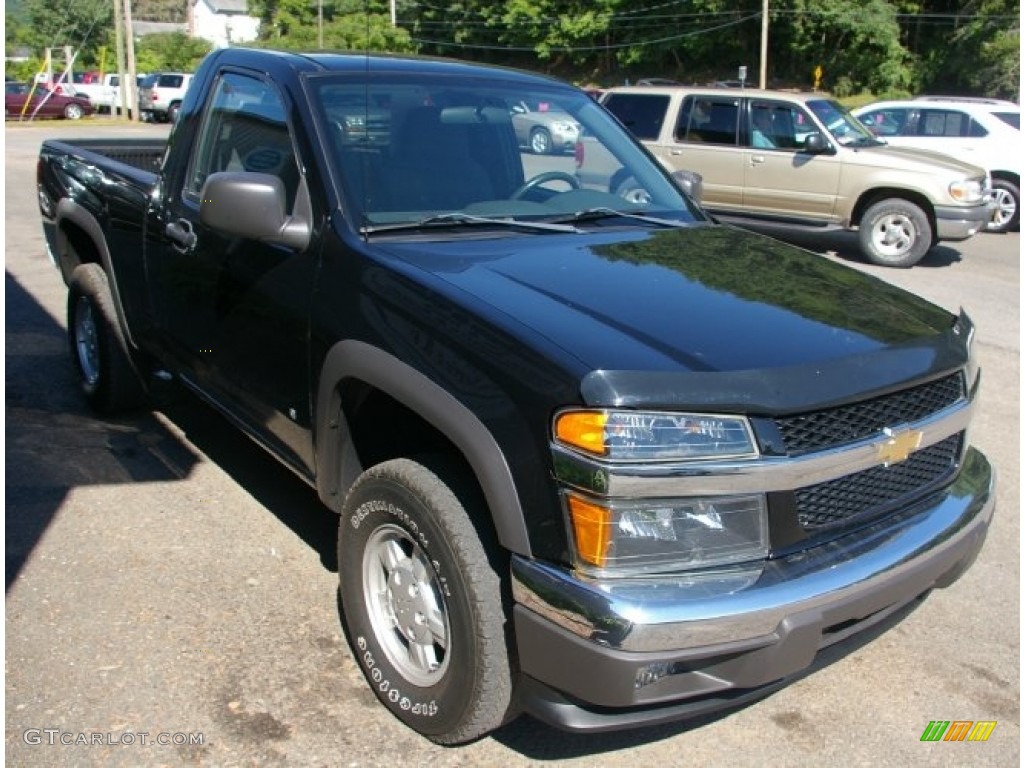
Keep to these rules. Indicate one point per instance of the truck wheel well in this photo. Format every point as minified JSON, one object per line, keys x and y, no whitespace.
{"x":381,"y":428}
{"x":873,"y":196}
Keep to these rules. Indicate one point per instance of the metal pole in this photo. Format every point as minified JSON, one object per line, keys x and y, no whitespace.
{"x":764,"y":45}
{"x":320,"y":24}
{"x":121,"y":95}
{"x":129,"y":85}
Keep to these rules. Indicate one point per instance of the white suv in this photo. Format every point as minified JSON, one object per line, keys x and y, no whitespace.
{"x":160,"y":95}
{"x":984,"y":132}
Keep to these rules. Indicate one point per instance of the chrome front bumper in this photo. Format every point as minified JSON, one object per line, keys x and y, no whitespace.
{"x":598,"y":641}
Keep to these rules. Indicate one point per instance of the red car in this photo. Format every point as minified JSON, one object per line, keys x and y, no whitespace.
{"x":21,"y":100}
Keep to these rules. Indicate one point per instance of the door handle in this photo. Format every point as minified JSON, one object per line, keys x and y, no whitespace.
{"x":181,"y":235}
{"x":756,"y":159}
{"x":675,"y":152}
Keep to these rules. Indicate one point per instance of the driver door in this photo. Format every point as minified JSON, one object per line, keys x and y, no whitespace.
{"x":234,"y":311}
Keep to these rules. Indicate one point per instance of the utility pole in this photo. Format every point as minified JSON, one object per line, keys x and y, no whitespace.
{"x":122,"y":89}
{"x":764,"y":45}
{"x":129,"y":84}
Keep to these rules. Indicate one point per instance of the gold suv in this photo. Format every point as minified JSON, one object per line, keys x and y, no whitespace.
{"x":800,"y":160}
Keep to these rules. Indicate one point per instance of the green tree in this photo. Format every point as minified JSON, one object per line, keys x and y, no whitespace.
{"x":169,"y":51}
{"x":85,"y":25}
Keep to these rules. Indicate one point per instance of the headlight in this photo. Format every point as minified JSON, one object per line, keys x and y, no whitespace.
{"x":564,"y":127}
{"x":648,"y":535}
{"x":654,"y":435}
{"x":967,"y":191}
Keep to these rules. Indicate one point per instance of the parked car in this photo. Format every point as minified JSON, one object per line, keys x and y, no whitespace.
{"x":105,"y":91}
{"x":544,"y":127}
{"x":984,"y":132}
{"x":26,"y":100}
{"x":160,"y":96}
{"x":816,"y":168}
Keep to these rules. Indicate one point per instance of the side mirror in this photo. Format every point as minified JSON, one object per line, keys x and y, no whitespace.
{"x":691,"y":182}
{"x":815,"y":144}
{"x":252,"y":205}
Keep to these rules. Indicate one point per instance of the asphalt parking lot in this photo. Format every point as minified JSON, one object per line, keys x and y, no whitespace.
{"x":171,"y":590}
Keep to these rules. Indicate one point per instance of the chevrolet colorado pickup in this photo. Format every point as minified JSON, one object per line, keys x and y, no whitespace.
{"x":595,"y":457}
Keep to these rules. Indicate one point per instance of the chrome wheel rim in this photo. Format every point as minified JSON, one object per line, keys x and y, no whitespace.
{"x":893,"y":235}
{"x":539,"y":142}
{"x":87,"y":342}
{"x":1006,"y":208}
{"x":406,"y":606}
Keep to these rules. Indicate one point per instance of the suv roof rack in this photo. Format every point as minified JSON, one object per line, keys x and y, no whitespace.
{"x":969,"y":100}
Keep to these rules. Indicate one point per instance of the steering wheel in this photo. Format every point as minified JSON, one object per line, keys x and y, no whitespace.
{"x":544,"y":178}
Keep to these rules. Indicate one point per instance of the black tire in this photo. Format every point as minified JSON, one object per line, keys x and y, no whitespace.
{"x":172,"y":112}
{"x":895,"y":233}
{"x":422,"y":601}
{"x":98,"y":349}
{"x":1006,"y":216}
{"x":540,"y":141}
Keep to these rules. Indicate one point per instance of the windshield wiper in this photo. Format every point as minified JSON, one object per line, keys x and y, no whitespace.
{"x":593,"y":214}
{"x":443,"y":220}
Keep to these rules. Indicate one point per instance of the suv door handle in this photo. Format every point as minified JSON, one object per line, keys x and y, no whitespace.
{"x":756,"y":159}
{"x":181,"y":235}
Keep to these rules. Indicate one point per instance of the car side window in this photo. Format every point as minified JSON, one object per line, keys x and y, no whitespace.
{"x":943,"y":122}
{"x":886,"y":122}
{"x":643,"y":114}
{"x":244,"y":129}
{"x":708,"y":120}
{"x":776,"y":125}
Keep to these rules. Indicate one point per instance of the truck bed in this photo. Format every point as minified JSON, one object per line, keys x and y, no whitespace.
{"x":143,"y":154}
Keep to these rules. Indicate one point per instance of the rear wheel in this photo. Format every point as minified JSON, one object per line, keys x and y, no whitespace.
{"x":422,"y":600}
{"x":172,"y":112}
{"x":895,"y":233}
{"x":98,"y":349}
{"x":1007,"y":199}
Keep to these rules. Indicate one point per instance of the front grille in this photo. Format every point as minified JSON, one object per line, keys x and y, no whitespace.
{"x":871,"y":491}
{"x":838,"y":426}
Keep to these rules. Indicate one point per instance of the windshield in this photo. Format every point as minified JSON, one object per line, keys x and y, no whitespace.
{"x":409,"y":149}
{"x":844,"y":127}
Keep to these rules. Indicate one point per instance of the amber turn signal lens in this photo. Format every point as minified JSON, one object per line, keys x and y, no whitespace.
{"x":583,"y":430}
{"x":591,"y":525}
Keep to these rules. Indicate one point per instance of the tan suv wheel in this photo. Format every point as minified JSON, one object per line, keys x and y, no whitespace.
{"x":895,"y":233}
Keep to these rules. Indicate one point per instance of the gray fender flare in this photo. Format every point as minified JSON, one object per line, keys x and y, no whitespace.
{"x":338,"y":465}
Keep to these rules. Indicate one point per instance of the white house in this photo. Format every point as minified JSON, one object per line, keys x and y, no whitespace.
{"x":223,"y":22}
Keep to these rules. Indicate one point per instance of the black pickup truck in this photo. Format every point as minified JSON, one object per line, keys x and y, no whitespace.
{"x":596,"y":457}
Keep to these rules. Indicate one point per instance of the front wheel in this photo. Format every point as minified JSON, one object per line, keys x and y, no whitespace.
{"x":895,"y":233}
{"x":1007,"y":199}
{"x":422,"y":600}
{"x":73,"y":111}
{"x":98,"y":349}
{"x":540,"y":141}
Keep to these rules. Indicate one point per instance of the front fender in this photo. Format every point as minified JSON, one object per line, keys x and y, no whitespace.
{"x":338,"y":464}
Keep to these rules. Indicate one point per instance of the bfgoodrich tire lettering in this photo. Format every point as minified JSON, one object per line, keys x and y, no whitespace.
{"x":98,"y":349}
{"x":422,"y":600}
{"x":895,"y":233}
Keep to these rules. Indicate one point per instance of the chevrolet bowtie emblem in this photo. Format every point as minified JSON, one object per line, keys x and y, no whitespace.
{"x":899,"y":445}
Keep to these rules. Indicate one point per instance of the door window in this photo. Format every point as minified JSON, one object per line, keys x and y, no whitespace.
{"x":708,"y":120}
{"x":244,"y":129}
